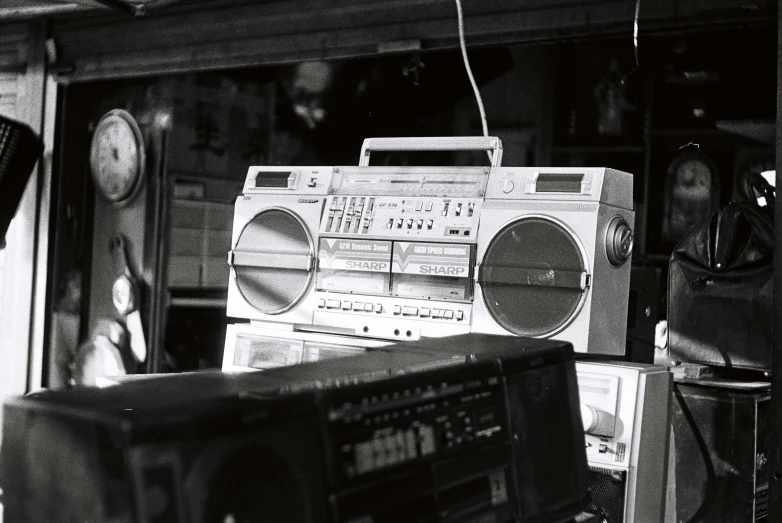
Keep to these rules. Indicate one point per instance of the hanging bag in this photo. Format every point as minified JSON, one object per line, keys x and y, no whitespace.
{"x":721,"y":285}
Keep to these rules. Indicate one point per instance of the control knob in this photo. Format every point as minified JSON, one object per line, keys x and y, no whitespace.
{"x":619,"y":241}
{"x":597,"y":421}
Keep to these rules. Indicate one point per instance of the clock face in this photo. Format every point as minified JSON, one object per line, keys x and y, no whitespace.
{"x":691,"y":194}
{"x":694,"y":175}
{"x":117,"y":156}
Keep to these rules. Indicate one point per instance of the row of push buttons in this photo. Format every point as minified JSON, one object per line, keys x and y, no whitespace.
{"x":346,"y":305}
{"x":392,"y":449}
{"x":457,"y":209}
{"x":426,"y":312}
{"x":422,"y":312}
{"x":409,"y":223}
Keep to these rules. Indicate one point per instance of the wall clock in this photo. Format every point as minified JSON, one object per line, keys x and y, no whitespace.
{"x":691,"y":194}
{"x":117,"y":156}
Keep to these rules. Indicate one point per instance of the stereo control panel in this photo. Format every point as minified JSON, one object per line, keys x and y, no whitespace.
{"x":385,"y":427}
{"x":408,"y":218}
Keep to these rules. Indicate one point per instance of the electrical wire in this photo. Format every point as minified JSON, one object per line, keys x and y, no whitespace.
{"x":635,"y":31}
{"x":635,"y":42}
{"x":463,"y":46}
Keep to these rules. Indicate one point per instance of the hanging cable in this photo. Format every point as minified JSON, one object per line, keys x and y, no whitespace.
{"x":635,"y":31}
{"x":635,"y":42}
{"x":469,"y":70}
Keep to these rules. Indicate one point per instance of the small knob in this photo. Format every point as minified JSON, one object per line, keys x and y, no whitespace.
{"x":507,"y":185}
{"x":597,"y":421}
{"x":619,"y":241}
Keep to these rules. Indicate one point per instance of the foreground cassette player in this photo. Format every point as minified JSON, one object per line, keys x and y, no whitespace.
{"x":475,"y":428}
{"x":403,"y":252}
{"x":625,"y":409}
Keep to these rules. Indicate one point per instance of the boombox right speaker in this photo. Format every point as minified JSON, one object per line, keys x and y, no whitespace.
{"x":553,"y":259}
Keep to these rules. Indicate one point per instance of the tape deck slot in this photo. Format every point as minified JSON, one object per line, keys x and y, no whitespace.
{"x":361,"y":266}
{"x":420,"y":270}
{"x":441,"y":271}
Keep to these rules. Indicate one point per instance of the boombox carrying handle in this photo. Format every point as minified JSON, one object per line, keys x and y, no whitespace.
{"x":434,"y":143}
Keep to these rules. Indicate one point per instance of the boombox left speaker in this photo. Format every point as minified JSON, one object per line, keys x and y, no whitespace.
{"x":553,"y":256}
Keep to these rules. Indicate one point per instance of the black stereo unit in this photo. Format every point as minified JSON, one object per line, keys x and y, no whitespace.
{"x":468,"y":428}
{"x":722,"y":442}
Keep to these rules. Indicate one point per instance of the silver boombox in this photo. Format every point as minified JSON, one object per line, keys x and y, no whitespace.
{"x":396,"y":253}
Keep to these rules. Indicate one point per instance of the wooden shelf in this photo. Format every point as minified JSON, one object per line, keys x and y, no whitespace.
{"x":198,"y":297}
{"x":693,"y":78}
{"x":764,"y":131}
{"x":657,"y":258}
{"x":199,"y":303}
{"x":706,"y":131}
{"x":598,"y":149}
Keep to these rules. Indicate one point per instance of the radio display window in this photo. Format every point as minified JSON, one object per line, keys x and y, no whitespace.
{"x":559,"y":182}
{"x":272,"y":179}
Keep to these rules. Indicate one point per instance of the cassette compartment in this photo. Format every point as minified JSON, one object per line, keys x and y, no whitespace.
{"x":439,"y":271}
{"x":356,"y":266}
{"x":420,"y":270}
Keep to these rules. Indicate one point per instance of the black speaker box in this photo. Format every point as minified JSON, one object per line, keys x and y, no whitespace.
{"x":642,"y":314}
{"x":20,"y":148}
{"x":721,"y":440}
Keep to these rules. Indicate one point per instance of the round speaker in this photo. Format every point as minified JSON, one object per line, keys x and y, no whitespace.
{"x":534,"y":277}
{"x":273,"y":261}
{"x":251,"y":484}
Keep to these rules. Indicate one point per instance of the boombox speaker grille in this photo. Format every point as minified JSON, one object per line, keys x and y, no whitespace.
{"x":608,"y":494}
{"x":254,"y":485}
{"x":533,"y":277}
{"x":278,"y":269}
{"x":19,"y":150}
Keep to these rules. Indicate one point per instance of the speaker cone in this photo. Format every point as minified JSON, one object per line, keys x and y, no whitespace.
{"x":273,"y":261}
{"x":254,"y":485}
{"x":533,"y":277}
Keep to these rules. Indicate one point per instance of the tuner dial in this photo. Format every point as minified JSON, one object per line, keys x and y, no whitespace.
{"x":597,"y":421}
{"x":619,"y":241}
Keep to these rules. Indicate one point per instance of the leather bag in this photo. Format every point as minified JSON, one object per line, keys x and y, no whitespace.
{"x":720,"y":287}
